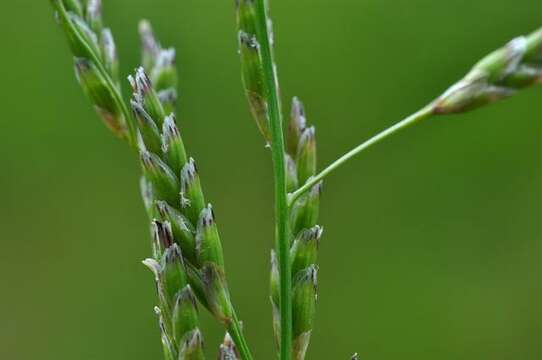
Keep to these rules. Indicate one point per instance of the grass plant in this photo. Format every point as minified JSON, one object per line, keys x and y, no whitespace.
{"x":187,"y":260}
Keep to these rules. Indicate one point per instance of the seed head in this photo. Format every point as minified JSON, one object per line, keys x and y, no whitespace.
{"x":497,"y":76}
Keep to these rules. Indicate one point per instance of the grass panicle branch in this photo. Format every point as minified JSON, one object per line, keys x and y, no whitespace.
{"x":305,"y":235}
{"x":497,"y":76}
{"x":187,"y":257}
{"x":293,"y":268}
{"x":255,"y":33}
{"x":175,"y":186}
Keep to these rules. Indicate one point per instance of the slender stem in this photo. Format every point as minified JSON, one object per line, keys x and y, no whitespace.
{"x":236,"y":332}
{"x":420,"y":115}
{"x":281,"y":195}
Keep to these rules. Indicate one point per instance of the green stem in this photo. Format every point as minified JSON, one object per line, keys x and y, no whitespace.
{"x":281,"y":194}
{"x":422,"y":114}
{"x":236,"y":333}
{"x":117,"y":97}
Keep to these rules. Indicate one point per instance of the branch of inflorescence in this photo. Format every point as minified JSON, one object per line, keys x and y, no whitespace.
{"x":418,"y":116}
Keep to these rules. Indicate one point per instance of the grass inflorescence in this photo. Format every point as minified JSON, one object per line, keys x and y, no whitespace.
{"x":187,"y":259}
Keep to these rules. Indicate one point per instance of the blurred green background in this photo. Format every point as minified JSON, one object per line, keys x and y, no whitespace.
{"x":433,"y":244}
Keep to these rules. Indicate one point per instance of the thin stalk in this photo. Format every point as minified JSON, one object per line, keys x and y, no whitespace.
{"x":420,"y":115}
{"x":236,"y":334}
{"x":281,"y":194}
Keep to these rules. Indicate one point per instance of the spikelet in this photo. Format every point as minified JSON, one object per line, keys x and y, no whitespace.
{"x":96,"y":62}
{"x":497,"y":76}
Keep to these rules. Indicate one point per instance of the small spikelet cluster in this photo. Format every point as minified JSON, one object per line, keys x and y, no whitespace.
{"x":163,"y":157}
{"x":499,"y":75}
{"x":173,"y":196}
{"x":251,"y":64}
{"x":187,"y":253}
{"x":159,"y":63}
{"x":177,"y":309}
{"x":305,"y":233}
{"x":95,"y":60}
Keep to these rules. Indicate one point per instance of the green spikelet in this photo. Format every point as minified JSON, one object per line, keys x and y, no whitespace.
{"x":305,"y":211}
{"x":147,"y":194}
{"x":172,"y":145}
{"x":304,"y":250}
{"x":185,"y":316}
{"x":306,"y":155}
{"x":216,"y":293}
{"x":193,"y":201}
{"x":177,"y":308}
{"x":110,"y":57}
{"x":208,"y":246}
{"x":182,"y":229}
{"x":145,"y":94}
{"x":93,"y":15}
{"x":150,"y":135}
{"x":95,"y":87}
{"x":96,"y":62}
{"x":291,"y":174}
{"x":296,"y":126}
{"x":497,"y":76}
{"x":165,"y":183}
{"x":192,"y":347}
{"x":304,"y":308}
{"x":251,"y":65}
{"x":160,"y":64}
